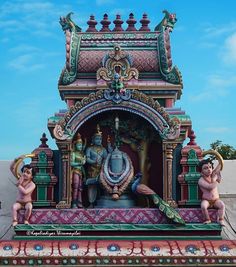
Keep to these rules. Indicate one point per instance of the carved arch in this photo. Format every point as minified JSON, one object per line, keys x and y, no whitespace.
{"x":139,"y":103}
{"x":95,"y":103}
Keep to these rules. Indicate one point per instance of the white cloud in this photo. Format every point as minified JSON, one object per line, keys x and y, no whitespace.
{"x":28,"y":58}
{"x":24,"y":63}
{"x":216,"y":86}
{"x":24,"y":48}
{"x":222,"y":81}
{"x":213,"y":36}
{"x":218,"y":129}
{"x":229,"y":56}
{"x":31,"y":16}
{"x":219,"y":30}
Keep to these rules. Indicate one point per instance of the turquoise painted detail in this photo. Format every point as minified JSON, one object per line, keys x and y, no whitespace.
{"x":42,"y":176}
{"x":42,"y":180}
{"x":68,"y":24}
{"x":69,"y":76}
{"x":70,"y":71}
{"x":168,"y":22}
{"x":117,"y":227}
{"x":172,"y":75}
{"x":192,"y":178}
{"x":169,"y":74}
{"x":182,"y":118}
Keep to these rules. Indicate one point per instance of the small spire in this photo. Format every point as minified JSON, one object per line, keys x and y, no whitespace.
{"x":145,"y":21}
{"x":92,"y":24}
{"x":192,"y":138}
{"x":118,"y":22}
{"x":43,"y":140}
{"x":105,"y":24}
{"x":131,"y":22}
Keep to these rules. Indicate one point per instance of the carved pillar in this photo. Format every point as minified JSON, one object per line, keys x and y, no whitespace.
{"x":70,"y":102}
{"x":65,"y":148}
{"x":188,"y":179}
{"x":44,"y":178}
{"x":169,"y":102}
{"x":167,"y":175}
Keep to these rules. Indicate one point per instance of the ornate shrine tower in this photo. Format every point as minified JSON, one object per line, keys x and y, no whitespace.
{"x":121,"y":123}
{"x":151,"y":85}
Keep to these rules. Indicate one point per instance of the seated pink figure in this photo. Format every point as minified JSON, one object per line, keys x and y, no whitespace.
{"x":25,"y":188}
{"x":208,"y":183}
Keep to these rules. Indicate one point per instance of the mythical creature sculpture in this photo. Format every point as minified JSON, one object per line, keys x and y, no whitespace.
{"x":167,"y":22}
{"x":68,"y":24}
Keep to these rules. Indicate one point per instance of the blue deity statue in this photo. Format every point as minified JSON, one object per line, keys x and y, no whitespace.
{"x":117,"y":176}
{"x":117,"y":173}
{"x":95,"y":156}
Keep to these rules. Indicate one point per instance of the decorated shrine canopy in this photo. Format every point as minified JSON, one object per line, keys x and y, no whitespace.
{"x":144,"y":57}
{"x":120,"y":78}
{"x":120,"y":70}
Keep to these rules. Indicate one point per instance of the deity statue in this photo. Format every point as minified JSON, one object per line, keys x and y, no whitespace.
{"x":117,"y":176}
{"x":95,"y":156}
{"x":117,"y":173}
{"x":78,"y":159}
{"x":208,"y":183}
{"x":26,"y":187}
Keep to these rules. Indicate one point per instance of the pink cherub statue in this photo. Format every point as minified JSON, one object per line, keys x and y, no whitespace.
{"x":208,"y":184}
{"x":25,"y":188}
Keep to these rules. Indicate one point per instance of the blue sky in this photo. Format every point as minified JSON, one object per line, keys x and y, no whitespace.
{"x":32,"y":47}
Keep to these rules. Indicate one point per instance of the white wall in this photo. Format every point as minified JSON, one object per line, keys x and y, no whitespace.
{"x":228,"y":183}
{"x":7,"y":197}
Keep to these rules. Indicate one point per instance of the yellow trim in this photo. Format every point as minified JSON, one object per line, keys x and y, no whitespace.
{"x":215,"y":153}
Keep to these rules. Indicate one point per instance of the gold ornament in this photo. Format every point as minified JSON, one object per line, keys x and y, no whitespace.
{"x":18,"y":161}
{"x":216,"y":154}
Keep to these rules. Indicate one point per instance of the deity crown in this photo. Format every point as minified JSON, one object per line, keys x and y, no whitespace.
{"x":78,"y":138}
{"x":98,"y":132}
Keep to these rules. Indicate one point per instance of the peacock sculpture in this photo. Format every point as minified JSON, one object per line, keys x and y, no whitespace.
{"x":163,"y":206}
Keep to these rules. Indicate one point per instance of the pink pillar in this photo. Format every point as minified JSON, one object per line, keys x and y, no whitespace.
{"x":169,"y":103}
{"x":70,"y":102}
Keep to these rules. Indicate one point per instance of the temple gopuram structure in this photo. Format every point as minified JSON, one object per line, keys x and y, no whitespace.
{"x":122,"y":188}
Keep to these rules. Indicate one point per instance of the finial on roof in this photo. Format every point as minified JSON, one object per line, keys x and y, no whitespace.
{"x":192,"y":138}
{"x":92,"y":24}
{"x":105,"y":24}
{"x":43,"y":140}
{"x":118,"y":22}
{"x":131,"y":22}
{"x":145,"y":21}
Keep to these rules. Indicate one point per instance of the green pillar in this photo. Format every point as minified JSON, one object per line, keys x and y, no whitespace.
{"x":192,"y":178}
{"x":42,"y":181}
